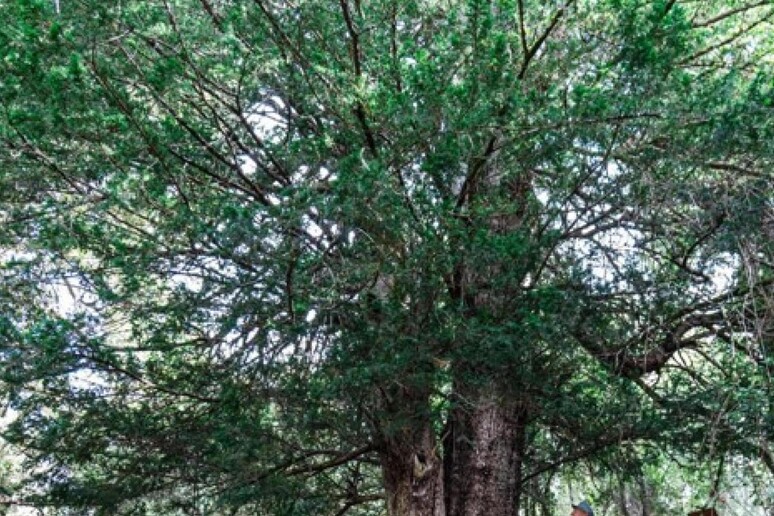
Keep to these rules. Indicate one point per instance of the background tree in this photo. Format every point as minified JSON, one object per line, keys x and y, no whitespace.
{"x":318,"y":257}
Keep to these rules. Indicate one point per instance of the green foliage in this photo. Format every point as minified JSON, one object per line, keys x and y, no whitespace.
{"x":246,"y":247}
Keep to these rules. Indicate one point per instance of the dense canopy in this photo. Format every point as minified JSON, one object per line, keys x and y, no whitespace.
{"x":414,"y":257}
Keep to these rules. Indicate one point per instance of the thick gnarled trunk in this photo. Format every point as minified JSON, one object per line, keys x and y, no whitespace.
{"x":481,"y":467}
{"x":483,"y":455}
{"x":413,"y":474}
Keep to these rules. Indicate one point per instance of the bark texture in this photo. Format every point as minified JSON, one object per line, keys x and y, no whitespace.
{"x":413,"y":474}
{"x":483,"y":457}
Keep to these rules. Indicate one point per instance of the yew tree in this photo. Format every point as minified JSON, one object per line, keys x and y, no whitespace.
{"x":328,"y":257}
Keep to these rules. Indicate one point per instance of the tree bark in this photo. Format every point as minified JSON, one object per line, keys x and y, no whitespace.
{"x":481,"y":469}
{"x":413,"y":474}
{"x":483,"y":455}
{"x":412,"y":467}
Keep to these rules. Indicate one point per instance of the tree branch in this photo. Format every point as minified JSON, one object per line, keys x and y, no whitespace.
{"x":539,"y":43}
{"x":354,"y":38}
{"x":735,"y":36}
{"x":722,"y":16}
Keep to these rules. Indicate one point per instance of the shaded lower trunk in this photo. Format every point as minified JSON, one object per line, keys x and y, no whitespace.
{"x":483,"y":453}
{"x":413,"y":474}
{"x":481,"y":468}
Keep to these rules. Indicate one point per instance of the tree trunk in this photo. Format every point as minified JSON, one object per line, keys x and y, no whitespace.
{"x":413,"y":474}
{"x":483,"y":456}
{"x":481,"y":468}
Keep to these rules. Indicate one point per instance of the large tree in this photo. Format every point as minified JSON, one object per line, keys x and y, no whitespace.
{"x":309,"y":257}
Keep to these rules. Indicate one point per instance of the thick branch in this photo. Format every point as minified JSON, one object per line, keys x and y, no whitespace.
{"x":622,"y":363}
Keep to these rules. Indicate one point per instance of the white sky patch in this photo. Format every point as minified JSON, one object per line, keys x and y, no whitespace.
{"x":247,"y":164}
{"x":190,"y":282}
{"x":63,"y":300}
{"x":87,"y":381}
{"x":543,"y":195}
{"x":312,"y":228}
{"x":268,"y":122}
{"x":324,"y":174}
{"x":409,"y":62}
{"x":273,"y":199}
{"x":300,"y":174}
{"x":721,"y":272}
{"x":266,"y":118}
